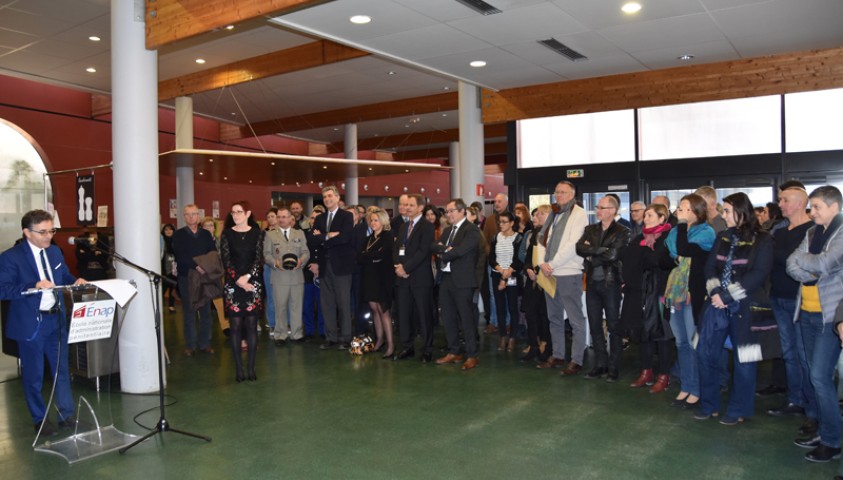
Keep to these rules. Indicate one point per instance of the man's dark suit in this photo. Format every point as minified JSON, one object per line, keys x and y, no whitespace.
{"x":458,"y":286}
{"x":396,"y":222}
{"x":413,"y":294}
{"x":38,"y":335}
{"x":336,"y":264}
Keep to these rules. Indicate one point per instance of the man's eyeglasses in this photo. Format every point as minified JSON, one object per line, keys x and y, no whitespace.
{"x":451,"y":210}
{"x":605,"y":208}
{"x":637,"y":210}
{"x":51,"y":231}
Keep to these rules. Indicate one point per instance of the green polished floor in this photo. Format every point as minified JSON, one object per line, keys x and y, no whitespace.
{"x":324,"y":414}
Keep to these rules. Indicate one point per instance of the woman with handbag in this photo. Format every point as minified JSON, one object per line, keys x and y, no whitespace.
{"x":736,"y":269}
{"x":646,"y":264}
{"x":689,"y":244}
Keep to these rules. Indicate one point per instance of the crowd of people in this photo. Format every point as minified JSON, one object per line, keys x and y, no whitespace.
{"x":685,"y":286}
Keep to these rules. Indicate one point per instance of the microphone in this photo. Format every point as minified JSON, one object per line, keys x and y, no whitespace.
{"x":81,"y":240}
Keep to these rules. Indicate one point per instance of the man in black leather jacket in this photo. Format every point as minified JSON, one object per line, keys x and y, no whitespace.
{"x":601,"y":245}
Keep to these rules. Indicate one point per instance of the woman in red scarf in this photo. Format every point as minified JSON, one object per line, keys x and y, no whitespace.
{"x":646,"y":265}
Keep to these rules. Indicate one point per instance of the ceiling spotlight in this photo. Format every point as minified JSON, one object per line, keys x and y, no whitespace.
{"x":94,"y":38}
{"x":225,"y":178}
{"x":324,"y":167}
{"x":200,"y":61}
{"x":91,"y":70}
{"x":444,"y":114}
{"x":229,"y":27}
{"x":631,"y":7}
{"x":273,"y":164}
{"x":446,"y":88}
{"x":211,"y":160}
{"x":250,"y":181}
{"x":360,"y":19}
{"x":201,"y":173}
{"x":685,"y":58}
{"x":391,"y":72}
{"x":478,"y":64}
{"x":370,"y":169}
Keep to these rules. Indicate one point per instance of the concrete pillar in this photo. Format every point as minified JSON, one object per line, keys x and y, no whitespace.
{"x":134,"y":81}
{"x":308,"y":204}
{"x":351,"y":197}
{"x":471,"y":155}
{"x":454,"y":163}
{"x":184,"y":166}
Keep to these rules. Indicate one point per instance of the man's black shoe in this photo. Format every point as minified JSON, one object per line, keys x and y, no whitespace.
{"x":596,"y":372}
{"x":822,"y":454}
{"x":327,"y":345}
{"x":807,"y":442}
{"x":612,"y":376}
{"x":280,"y":342}
{"x":406,"y":353}
{"x":48,"y":429}
{"x":426,"y":357}
{"x":342,"y":346}
{"x":789,"y":409}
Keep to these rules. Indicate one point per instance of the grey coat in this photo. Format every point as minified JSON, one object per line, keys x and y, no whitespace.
{"x":825,"y":267}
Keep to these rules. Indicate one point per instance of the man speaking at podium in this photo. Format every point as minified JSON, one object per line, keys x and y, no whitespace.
{"x":36,"y":321}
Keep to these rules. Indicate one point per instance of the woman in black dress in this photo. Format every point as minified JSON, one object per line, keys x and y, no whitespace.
{"x":378,"y":277}
{"x":168,"y":266}
{"x":241,"y":249}
{"x":646,"y":266}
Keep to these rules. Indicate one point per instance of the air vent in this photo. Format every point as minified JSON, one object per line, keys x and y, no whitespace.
{"x":563,"y":49}
{"x":480,"y":6}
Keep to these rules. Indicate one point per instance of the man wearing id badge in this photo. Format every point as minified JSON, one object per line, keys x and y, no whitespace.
{"x":414,"y":280}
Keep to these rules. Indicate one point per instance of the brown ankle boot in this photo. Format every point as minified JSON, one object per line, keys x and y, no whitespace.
{"x":646,"y":378}
{"x":662,"y":382}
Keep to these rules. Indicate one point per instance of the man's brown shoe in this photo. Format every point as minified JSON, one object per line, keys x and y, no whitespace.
{"x":571,"y":370}
{"x":449,"y":358}
{"x":470,"y":363}
{"x":551,"y":362}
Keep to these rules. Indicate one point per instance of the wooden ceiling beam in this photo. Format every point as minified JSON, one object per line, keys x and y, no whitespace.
{"x":772,"y":75}
{"x":168,"y":21}
{"x":302,"y":57}
{"x":441,"y":102}
{"x":419,"y":138}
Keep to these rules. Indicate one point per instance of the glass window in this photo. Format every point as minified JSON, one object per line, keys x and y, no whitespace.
{"x":675,"y":196}
{"x":590,"y":199}
{"x":759,"y":196}
{"x":541,"y":199}
{"x":604,"y":137}
{"x":711,"y":129}
{"x":814,"y":120}
{"x":21,"y":180}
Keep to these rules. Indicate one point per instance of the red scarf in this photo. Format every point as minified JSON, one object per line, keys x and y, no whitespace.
{"x":651,"y":234}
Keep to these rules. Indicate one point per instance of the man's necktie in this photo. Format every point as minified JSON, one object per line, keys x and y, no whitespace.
{"x":452,"y":235}
{"x":409,"y":228}
{"x":45,"y":267}
{"x":330,"y":219}
{"x":285,"y":236}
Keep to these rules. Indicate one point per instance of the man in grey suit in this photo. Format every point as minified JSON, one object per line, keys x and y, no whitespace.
{"x":457,"y":249}
{"x":285,"y":251}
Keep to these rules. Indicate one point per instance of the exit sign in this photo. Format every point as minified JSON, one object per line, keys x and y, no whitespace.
{"x":576,"y":173}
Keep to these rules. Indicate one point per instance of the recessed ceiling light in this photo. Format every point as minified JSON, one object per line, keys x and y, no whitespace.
{"x":631,"y":7}
{"x":229,"y":27}
{"x":391,"y":72}
{"x":273,"y":164}
{"x":446,"y":87}
{"x":324,"y":167}
{"x":685,"y":58}
{"x":200,"y":173}
{"x":444,"y":114}
{"x":225,"y":178}
{"x":406,"y":170}
{"x":478,"y":63}
{"x":250,"y":181}
{"x":91,"y":70}
{"x":360,"y":19}
{"x":370,"y":169}
{"x":336,"y":129}
{"x":211,"y":160}
{"x":94,"y":38}
{"x":200,"y":61}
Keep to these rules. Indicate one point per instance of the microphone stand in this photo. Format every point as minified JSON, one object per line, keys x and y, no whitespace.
{"x":154,"y":283}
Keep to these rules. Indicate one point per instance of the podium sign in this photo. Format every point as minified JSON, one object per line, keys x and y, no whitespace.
{"x":91,"y":320}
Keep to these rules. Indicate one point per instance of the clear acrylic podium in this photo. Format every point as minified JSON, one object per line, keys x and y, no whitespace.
{"x":94,"y":434}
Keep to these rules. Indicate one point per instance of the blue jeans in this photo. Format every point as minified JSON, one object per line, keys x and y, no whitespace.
{"x":793,"y":352}
{"x":312,"y":302}
{"x":742,"y":395}
{"x":682,"y":325}
{"x":822,"y":348}
{"x":190,"y":340}
{"x":270,"y":302}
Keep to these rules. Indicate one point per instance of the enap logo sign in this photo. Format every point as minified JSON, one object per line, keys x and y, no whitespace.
{"x":95,"y":310}
{"x":91,"y":320}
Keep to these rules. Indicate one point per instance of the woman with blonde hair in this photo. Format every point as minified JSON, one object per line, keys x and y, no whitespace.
{"x":378,"y":277}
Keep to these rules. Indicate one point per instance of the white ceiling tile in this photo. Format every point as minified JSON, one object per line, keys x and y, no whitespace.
{"x":652,"y":35}
{"x":12,"y":39}
{"x":597,"y":68}
{"x":30,"y":62}
{"x":31,"y":23}
{"x":602,"y":14}
{"x":788,"y":18}
{"x":707,"y":52}
{"x":426,"y":42}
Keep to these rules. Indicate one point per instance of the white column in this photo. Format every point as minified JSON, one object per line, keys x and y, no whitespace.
{"x":471,"y":157}
{"x":184,"y":166}
{"x":454,"y":163}
{"x":134,"y":81}
{"x":351,"y":197}
{"x":308,"y":204}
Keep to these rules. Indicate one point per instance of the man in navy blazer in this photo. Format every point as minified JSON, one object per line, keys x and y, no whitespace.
{"x":37,"y":321}
{"x":458,"y":248}
{"x":332,"y":230}
{"x":414,"y":279}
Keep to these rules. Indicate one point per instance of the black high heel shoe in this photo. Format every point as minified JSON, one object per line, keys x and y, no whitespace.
{"x":252,"y":377}
{"x":240,"y":378}
{"x":388,"y":355}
